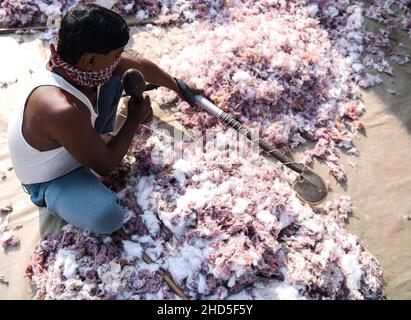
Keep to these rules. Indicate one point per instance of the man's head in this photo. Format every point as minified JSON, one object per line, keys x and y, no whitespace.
{"x":91,"y":37}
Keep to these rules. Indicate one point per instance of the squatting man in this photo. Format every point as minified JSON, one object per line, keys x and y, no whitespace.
{"x":55,"y":136}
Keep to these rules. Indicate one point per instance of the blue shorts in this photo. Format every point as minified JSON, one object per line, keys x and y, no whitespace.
{"x":79,"y":197}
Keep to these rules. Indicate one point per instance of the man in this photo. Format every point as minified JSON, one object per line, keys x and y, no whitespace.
{"x":55,"y":135}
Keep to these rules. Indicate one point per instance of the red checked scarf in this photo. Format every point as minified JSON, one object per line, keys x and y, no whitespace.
{"x":83,"y":78}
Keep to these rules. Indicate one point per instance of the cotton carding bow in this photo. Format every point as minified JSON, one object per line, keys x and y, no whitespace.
{"x":309,"y":186}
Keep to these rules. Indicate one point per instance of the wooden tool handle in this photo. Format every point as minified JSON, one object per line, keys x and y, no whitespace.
{"x":166,"y":277}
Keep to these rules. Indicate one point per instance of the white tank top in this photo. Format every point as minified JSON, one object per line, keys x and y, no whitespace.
{"x":30,"y":164}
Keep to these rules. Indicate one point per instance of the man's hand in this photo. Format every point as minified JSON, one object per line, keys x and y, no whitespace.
{"x":194,"y":89}
{"x":187,"y":90}
{"x":140,"y":110}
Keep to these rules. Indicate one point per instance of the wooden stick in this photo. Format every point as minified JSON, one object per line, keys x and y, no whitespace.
{"x":166,"y":277}
{"x":130,"y":21}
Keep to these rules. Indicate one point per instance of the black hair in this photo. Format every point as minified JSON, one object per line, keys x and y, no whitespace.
{"x":90,"y":28}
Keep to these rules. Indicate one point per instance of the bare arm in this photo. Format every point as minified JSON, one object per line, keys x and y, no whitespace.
{"x":152,"y":73}
{"x":71,"y":128}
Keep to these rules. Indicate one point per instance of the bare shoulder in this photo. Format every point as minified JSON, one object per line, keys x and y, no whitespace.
{"x":53,"y":103}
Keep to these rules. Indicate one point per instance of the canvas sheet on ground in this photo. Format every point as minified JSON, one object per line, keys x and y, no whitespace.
{"x":378,"y":180}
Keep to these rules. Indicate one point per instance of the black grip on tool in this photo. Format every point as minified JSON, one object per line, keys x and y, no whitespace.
{"x":186,"y":91}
